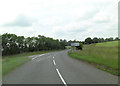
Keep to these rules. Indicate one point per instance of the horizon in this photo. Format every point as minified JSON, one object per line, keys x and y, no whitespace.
{"x":62,"y":39}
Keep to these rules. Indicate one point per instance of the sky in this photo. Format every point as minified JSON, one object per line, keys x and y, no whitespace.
{"x":60,"y":19}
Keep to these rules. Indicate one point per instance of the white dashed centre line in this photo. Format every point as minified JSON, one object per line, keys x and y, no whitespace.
{"x":61,"y":77}
{"x":59,"y":73}
{"x":54,"y":62}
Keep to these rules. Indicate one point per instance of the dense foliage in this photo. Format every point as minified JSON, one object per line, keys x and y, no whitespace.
{"x":99,"y":40}
{"x":90,"y":40}
{"x":13,"y":44}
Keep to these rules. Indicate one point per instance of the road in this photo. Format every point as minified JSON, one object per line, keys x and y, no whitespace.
{"x":58,"y":68}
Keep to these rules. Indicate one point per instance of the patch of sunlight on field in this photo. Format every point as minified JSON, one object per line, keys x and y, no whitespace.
{"x":112,"y":43}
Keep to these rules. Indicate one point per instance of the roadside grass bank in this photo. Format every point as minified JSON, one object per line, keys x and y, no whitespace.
{"x":9,"y":63}
{"x":103,"y":57}
{"x":0,"y":68}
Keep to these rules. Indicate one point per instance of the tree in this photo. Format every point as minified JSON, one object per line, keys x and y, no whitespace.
{"x":13,"y":44}
{"x":95,"y":40}
{"x":88,"y":40}
{"x":116,"y":39}
{"x":101,"y":40}
{"x":81,"y":46}
{"x":109,"y":39}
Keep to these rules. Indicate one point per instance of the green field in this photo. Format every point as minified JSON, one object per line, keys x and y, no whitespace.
{"x":10,"y":63}
{"x":113,"y":43}
{"x":103,"y":55}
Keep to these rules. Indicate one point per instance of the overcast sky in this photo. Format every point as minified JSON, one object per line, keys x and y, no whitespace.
{"x":60,"y":19}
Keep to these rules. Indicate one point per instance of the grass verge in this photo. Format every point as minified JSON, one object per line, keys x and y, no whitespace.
{"x":12,"y":62}
{"x":103,"y":57}
{"x":0,"y":68}
{"x":9,"y":63}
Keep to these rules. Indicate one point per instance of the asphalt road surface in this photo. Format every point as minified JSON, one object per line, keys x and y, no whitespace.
{"x":58,"y":68}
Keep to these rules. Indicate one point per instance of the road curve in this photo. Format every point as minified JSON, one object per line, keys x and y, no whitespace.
{"x":58,"y":68}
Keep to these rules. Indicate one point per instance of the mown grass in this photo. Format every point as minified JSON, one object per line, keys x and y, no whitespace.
{"x":105,"y":57}
{"x":10,"y":63}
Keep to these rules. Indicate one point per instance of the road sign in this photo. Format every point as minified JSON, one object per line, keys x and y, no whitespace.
{"x":75,"y":44}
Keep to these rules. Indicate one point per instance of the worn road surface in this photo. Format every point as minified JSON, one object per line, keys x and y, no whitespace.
{"x":58,"y":68}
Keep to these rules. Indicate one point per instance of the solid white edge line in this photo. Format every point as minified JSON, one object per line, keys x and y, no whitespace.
{"x":37,"y":56}
{"x":61,"y":77}
{"x":54,"y":62}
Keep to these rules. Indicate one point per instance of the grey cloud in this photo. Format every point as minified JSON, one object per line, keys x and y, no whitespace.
{"x":88,"y":15}
{"x":103,"y":21}
{"x":21,"y":21}
{"x":72,"y":34}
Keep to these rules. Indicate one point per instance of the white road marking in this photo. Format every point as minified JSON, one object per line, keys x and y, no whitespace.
{"x":41,"y":54}
{"x":37,"y":56}
{"x":61,"y":77}
{"x":53,"y":57}
{"x":54,"y":62}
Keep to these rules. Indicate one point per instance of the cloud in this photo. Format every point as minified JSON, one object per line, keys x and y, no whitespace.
{"x":66,"y":19}
{"x":20,"y":21}
{"x":101,"y":17}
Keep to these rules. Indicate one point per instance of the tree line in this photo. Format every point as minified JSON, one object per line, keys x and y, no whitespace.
{"x":99,"y":40}
{"x":13,"y":44}
{"x":90,"y":40}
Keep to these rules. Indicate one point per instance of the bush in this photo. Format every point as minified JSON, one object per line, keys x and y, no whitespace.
{"x":80,"y":47}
